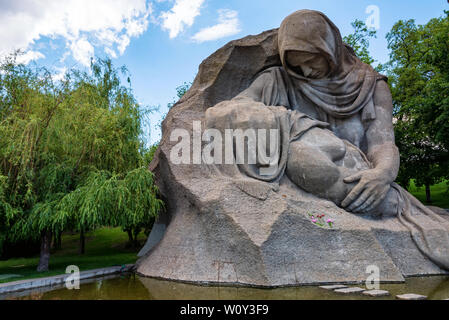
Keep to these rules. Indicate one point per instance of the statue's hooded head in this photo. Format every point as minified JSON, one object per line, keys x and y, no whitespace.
{"x":326,"y":70}
{"x":310,"y":45}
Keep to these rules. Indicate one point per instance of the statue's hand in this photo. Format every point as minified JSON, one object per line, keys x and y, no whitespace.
{"x":368,"y":193}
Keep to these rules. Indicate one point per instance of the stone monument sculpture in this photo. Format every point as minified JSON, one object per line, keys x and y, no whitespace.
{"x":314,"y":202}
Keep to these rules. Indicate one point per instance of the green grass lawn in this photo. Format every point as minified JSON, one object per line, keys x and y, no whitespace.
{"x":438,"y":193}
{"x":104,"y":248}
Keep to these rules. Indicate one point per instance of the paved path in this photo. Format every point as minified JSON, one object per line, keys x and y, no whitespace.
{"x":60,"y":279}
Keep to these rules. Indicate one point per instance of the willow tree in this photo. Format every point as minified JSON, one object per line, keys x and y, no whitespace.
{"x":6,"y":211}
{"x":114,"y":199}
{"x":56,"y":137}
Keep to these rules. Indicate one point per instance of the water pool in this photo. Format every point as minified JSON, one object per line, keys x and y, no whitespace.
{"x":133,"y":287}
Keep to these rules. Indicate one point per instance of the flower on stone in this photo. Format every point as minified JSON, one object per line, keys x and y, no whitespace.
{"x":314,"y":220}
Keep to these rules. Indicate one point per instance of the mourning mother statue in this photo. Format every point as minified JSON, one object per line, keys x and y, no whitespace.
{"x":336,"y":143}
{"x":322,"y":79}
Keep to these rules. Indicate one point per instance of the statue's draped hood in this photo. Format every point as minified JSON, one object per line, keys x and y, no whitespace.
{"x":349,"y":86}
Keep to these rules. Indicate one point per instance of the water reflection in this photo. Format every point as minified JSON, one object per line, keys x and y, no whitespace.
{"x":433,"y":287}
{"x":132,"y":287}
{"x":124,"y":287}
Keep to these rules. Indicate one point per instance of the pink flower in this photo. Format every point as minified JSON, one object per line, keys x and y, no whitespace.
{"x":314,"y":220}
{"x":330,"y":221}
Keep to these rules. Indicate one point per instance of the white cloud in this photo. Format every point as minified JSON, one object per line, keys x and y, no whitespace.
{"x":84,"y":25}
{"x":82,"y":51}
{"x":29,"y":56}
{"x":228,"y":25}
{"x":60,"y":73}
{"x":182,"y":14}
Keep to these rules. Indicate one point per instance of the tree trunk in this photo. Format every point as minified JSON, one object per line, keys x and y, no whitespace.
{"x":82,"y":242}
{"x":57,"y":241}
{"x":428,"y":199}
{"x":130,"y":237}
{"x":53,"y":241}
{"x":136,"y":235}
{"x":44,"y":258}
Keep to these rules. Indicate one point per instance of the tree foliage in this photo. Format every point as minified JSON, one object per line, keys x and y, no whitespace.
{"x":180,"y":92}
{"x":71,"y":153}
{"x":359,"y":40}
{"x":418,"y":73}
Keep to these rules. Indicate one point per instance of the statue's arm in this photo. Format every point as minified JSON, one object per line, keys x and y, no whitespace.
{"x":255,"y":91}
{"x":382,"y":150}
{"x":374,"y":184}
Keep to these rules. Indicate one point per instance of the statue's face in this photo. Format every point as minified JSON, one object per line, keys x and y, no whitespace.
{"x":312,"y":65}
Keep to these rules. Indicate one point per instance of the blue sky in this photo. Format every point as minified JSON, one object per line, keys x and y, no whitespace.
{"x":162,"y":42}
